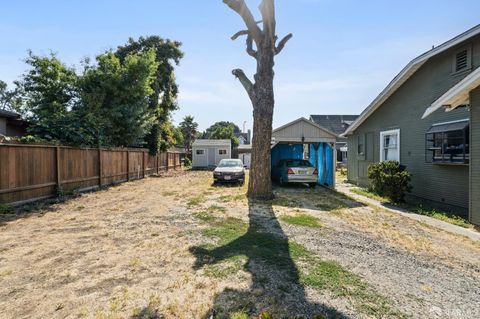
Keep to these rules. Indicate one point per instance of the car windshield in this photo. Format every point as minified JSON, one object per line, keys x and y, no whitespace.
{"x":298,"y":163}
{"x":230,"y":163}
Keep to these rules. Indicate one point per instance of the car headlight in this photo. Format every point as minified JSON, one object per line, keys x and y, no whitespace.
{"x":217,"y":173}
{"x":239,"y":174}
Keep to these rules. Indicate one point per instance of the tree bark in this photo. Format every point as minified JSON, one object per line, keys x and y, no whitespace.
{"x":261,"y":92}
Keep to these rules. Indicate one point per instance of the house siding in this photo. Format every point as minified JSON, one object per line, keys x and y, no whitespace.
{"x":475,"y":156}
{"x":3,"y":126}
{"x":444,"y":185}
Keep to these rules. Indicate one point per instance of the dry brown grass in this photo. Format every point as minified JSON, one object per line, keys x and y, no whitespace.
{"x":125,"y":252}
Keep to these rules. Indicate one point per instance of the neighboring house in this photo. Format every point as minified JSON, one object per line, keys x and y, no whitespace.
{"x":244,"y":138}
{"x":12,"y":125}
{"x":337,"y":124}
{"x":436,"y":150}
{"x":207,"y":153}
{"x":245,"y":154}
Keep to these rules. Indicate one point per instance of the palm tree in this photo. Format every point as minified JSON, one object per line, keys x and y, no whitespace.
{"x":189,"y":130}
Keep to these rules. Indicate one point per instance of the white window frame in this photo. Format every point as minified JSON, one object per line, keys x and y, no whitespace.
{"x":222,"y":152}
{"x":200,"y":149}
{"x":390,"y":132}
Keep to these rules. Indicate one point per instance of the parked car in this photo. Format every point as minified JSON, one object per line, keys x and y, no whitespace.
{"x":295,"y":171}
{"x":229,"y":170}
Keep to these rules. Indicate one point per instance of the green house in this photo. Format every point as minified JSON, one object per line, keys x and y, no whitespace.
{"x":440,"y":149}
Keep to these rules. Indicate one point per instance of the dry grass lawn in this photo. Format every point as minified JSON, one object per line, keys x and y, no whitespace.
{"x":178,"y":247}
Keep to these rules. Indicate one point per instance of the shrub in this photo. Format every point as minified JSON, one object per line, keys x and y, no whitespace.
{"x":187,"y":162}
{"x":4,"y":209}
{"x":390,"y":179}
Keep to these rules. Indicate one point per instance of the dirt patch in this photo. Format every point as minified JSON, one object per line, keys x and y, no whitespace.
{"x":179,"y":247}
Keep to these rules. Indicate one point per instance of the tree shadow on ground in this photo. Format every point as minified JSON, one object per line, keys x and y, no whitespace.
{"x":275,"y":280}
{"x":318,"y":198}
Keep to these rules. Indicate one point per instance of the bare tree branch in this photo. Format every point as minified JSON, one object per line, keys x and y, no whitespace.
{"x":247,"y":84}
{"x":267,"y":8}
{"x":240,"y":7}
{"x":251,"y":52}
{"x":239,"y":34}
{"x":282,"y":43}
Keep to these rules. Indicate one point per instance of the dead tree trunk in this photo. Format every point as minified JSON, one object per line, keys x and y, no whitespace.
{"x":261,"y":92}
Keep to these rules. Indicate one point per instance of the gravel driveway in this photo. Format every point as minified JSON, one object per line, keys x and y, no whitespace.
{"x":179,"y":247}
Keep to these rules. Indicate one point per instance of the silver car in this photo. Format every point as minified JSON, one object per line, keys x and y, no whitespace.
{"x":229,"y":170}
{"x":295,"y":171}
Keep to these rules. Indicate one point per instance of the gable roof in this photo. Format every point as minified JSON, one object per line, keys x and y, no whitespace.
{"x":302,"y":119}
{"x":201,"y":142}
{"x":302,"y":131}
{"x":407,"y":72}
{"x":334,"y":123}
{"x":9,"y":115}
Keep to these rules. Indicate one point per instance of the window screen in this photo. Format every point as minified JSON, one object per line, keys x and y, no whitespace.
{"x":448,"y":143}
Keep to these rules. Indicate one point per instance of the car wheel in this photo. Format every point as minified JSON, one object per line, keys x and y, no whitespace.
{"x":312,"y":185}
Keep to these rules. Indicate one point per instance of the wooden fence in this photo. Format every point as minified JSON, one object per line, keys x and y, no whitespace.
{"x":38,"y":171}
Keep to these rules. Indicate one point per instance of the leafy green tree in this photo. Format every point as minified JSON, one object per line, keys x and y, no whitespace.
{"x":4,"y":96}
{"x":115,"y":95}
{"x":163,"y":99}
{"x":11,"y":100}
{"x":178,"y":135}
{"x":189,"y":131}
{"x":225,"y":133}
{"x":49,"y":92}
{"x":220,"y":125}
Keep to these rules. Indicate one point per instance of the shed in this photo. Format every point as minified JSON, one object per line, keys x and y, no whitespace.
{"x":208,"y":153}
{"x":304,"y":139}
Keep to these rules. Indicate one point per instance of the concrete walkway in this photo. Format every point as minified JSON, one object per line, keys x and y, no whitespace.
{"x":345,"y":188}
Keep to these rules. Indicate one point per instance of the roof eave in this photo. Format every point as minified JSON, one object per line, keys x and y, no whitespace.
{"x":457,"y":95}
{"x":406,"y":73}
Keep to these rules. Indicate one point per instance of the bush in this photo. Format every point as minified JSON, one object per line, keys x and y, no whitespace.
{"x":390,"y":179}
{"x":4,"y":209}
{"x":187,"y":162}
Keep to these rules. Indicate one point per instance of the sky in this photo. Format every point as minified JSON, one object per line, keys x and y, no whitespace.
{"x":342,"y":54}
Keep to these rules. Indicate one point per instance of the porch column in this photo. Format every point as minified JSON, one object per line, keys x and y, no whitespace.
{"x":474,"y":211}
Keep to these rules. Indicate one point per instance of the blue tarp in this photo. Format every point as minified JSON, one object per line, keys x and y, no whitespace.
{"x":286,"y":151}
{"x":321,"y":156}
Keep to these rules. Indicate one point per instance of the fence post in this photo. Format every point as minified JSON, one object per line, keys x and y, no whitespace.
{"x":128,"y":165}
{"x":57,"y":164}
{"x":158,"y":162}
{"x":143,"y":164}
{"x":100,"y":167}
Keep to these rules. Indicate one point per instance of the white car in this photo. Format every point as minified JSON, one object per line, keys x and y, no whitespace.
{"x":229,"y":170}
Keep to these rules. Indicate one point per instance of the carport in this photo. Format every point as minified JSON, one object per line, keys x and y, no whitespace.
{"x":303,"y":139}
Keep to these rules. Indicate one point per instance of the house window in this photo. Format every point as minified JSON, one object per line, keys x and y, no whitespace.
{"x":361,"y":144}
{"x":448,"y":143}
{"x":390,"y":145}
{"x":222,"y":152}
{"x":200,"y":152}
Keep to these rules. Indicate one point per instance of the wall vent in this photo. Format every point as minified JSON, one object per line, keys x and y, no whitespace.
{"x":461,"y":61}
